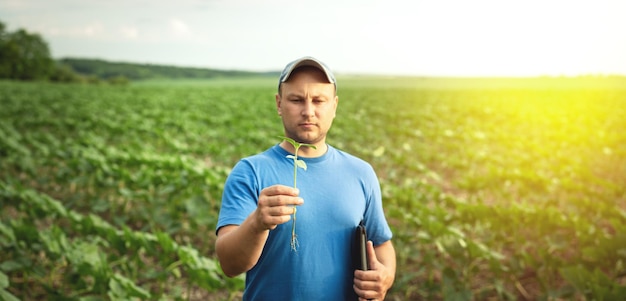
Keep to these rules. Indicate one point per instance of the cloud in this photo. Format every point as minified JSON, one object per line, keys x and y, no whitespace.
{"x":90,"y":30}
{"x":130,"y":32}
{"x":182,"y":31}
{"x":179,"y":28}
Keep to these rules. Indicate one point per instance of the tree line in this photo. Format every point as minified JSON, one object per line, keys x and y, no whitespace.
{"x":26,"y":56}
{"x":134,"y":71}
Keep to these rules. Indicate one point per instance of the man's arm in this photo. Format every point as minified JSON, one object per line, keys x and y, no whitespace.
{"x":374,"y":283}
{"x":239,"y":247}
{"x":235,"y":257}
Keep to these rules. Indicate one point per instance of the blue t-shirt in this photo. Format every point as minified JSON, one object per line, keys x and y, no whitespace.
{"x":339,"y":190}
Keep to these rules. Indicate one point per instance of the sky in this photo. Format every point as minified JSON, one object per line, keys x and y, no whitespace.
{"x":391,"y":37}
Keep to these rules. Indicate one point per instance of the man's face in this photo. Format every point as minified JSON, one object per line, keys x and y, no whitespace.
{"x":307,"y":105}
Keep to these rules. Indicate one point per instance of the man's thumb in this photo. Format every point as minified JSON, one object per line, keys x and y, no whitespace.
{"x":371,"y":256}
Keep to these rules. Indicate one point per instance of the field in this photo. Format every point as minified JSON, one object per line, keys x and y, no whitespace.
{"x":496,"y":189}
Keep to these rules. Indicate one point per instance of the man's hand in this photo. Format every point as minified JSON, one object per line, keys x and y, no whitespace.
{"x":275,"y":206}
{"x":374,"y":283}
{"x":239,"y":247}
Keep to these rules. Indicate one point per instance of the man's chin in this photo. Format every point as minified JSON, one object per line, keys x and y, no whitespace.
{"x":308,"y":139}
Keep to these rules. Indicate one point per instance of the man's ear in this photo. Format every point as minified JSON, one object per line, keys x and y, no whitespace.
{"x":278,"y":103}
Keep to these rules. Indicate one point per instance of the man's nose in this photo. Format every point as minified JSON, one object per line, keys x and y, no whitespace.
{"x":308,"y":109}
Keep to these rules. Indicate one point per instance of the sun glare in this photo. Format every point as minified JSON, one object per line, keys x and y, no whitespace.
{"x":496,"y":38}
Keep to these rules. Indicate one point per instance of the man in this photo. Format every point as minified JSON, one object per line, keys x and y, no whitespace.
{"x":334,"y":194}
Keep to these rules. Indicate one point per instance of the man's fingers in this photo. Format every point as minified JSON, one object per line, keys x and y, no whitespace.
{"x":282,"y":210}
{"x":274,"y":216}
{"x":365,"y":294}
{"x":280,"y":190}
{"x":268,"y":210}
{"x":277,"y":220}
{"x":279,"y":195}
{"x":279,"y":201}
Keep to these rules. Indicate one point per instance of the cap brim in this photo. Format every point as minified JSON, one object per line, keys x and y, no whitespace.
{"x":307,"y":61}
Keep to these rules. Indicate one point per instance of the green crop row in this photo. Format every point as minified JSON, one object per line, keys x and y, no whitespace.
{"x":503,"y":190}
{"x":77,"y":256}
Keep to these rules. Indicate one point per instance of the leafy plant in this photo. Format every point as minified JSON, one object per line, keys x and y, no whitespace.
{"x":296,"y":163}
{"x":522,"y":182}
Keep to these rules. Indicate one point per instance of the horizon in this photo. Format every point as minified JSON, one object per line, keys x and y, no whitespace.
{"x":342,"y":74}
{"x":485,"y":38}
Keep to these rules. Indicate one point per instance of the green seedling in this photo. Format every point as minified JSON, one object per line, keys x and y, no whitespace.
{"x":296,"y":163}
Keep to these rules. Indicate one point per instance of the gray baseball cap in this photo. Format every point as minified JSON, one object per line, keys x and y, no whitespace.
{"x":306,"y":61}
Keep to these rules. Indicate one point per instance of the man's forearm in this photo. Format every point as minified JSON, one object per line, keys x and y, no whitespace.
{"x":238,"y":248}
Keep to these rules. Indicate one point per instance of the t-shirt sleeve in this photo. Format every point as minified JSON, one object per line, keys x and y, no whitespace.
{"x":378,"y":230}
{"x":240,"y":195}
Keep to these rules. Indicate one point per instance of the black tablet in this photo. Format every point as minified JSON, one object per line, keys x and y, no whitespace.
{"x":360,"y":248}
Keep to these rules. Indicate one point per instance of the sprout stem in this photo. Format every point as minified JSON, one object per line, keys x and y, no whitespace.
{"x":296,"y":145}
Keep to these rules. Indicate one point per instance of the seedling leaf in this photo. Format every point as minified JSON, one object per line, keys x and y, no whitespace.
{"x":301,"y":164}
